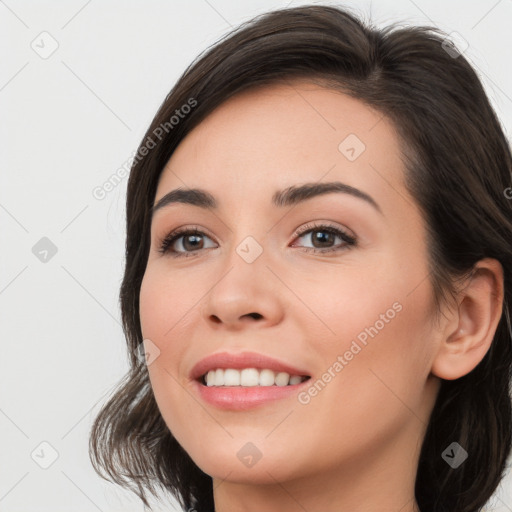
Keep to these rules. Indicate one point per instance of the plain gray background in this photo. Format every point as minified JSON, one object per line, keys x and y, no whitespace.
{"x":69,"y":121}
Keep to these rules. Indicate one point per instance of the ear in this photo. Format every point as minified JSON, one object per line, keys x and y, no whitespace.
{"x":471,"y":327}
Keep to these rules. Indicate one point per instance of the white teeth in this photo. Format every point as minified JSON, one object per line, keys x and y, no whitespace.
{"x":295,"y":379}
{"x":250,"y":377}
{"x":282,"y":379}
{"x":210,"y":378}
{"x":219,"y":377}
{"x":231,"y":377}
{"x":266,"y":378}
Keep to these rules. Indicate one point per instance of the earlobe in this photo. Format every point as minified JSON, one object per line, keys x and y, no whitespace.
{"x":480,"y":306}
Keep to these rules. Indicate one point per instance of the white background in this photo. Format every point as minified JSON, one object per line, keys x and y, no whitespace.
{"x":68,"y":123}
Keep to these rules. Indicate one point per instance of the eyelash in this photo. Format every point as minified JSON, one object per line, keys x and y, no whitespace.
{"x":168,"y":240}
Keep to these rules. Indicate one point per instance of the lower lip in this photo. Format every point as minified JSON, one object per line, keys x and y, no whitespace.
{"x":241,"y":398}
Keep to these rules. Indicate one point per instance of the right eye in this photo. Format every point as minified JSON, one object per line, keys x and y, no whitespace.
{"x":187,"y":238}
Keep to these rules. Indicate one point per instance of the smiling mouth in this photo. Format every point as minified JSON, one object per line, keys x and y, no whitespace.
{"x":249,"y":377}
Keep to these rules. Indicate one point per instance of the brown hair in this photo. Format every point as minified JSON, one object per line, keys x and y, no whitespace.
{"x":458,"y":168}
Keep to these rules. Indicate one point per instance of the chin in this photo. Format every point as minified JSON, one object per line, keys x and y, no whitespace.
{"x":243,"y":461}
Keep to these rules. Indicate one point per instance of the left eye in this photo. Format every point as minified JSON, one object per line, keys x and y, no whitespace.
{"x":188,"y":242}
{"x":324,"y":237}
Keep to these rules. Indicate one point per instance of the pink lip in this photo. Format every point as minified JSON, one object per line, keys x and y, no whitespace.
{"x":240,"y":361}
{"x":240,"y":397}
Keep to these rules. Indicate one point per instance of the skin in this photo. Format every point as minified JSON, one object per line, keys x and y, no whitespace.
{"x":355,"y":445}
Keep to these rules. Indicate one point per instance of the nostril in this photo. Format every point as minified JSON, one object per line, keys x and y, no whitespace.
{"x":256,"y":316}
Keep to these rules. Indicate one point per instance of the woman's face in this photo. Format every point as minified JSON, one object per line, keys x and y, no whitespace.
{"x":347,"y":306}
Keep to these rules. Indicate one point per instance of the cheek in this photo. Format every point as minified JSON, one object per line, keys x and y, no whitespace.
{"x":164,"y":302}
{"x":345,"y":302}
{"x":373,"y":377}
{"x":166,"y":309}
{"x":163,"y":315}
{"x":372,"y":332}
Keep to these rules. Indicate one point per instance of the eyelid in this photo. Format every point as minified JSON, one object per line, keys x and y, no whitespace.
{"x":318,"y":225}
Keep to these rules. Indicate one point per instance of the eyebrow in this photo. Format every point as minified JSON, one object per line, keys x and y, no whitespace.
{"x":287,"y":197}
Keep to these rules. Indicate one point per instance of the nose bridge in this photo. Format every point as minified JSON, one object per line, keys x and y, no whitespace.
{"x":245,"y":286}
{"x":245,"y":264}
{"x":249,"y":236}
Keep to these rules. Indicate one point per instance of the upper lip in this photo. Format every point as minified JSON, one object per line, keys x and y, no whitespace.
{"x":240,"y":361}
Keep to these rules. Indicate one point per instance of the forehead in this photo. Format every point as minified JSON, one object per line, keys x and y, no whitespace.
{"x":276,"y":136}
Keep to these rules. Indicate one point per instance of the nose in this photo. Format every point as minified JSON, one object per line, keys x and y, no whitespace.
{"x":230,"y":319}
{"x":246,"y":295}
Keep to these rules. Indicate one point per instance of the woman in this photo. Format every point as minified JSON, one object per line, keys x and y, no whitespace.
{"x":319,"y":275}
